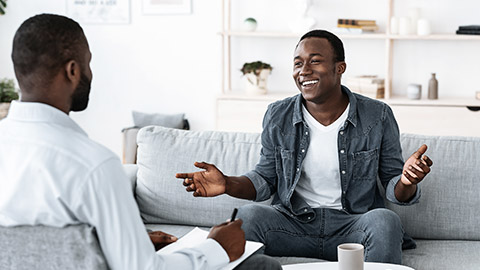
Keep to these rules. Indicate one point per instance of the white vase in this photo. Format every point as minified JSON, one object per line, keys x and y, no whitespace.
{"x":256,"y":84}
{"x":4,"y":106}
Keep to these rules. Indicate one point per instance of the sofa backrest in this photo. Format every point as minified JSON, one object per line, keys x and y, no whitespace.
{"x":163,"y":152}
{"x":49,"y":248}
{"x":450,"y":201}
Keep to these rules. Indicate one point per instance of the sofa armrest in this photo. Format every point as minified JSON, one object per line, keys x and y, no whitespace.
{"x":130,"y":145}
{"x":131,"y":172}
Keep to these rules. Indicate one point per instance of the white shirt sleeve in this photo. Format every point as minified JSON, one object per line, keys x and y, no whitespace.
{"x":107,"y":203}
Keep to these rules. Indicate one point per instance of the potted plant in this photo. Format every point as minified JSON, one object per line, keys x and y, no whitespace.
{"x":256,"y":74}
{"x":3,"y":5}
{"x":7,"y":94}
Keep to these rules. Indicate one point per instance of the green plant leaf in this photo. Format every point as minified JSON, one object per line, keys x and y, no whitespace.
{"x":7,"y":91}
{"x":255,"y":67}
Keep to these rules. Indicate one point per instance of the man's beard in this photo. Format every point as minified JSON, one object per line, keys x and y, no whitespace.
{"x":80,"y":95}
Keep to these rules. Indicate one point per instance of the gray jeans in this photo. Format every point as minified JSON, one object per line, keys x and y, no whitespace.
{"x":259,"y":262}
{"x":379,"y":230}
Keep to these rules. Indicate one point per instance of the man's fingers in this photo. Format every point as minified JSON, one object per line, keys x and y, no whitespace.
{"x":184,"y":175}
{"x":428,"y":161}
{"x":419,"y":174}
{"x":410,"y":178}
{"x":423,"y":165}
{"x":203,"y":165}
{"x":420,"y":151}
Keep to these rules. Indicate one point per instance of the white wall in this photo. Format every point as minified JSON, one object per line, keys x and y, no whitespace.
{"x":157,"y":63}
{"x":171,"y":64}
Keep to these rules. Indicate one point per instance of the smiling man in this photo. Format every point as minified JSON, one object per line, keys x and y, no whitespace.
{"x":322,"y":151}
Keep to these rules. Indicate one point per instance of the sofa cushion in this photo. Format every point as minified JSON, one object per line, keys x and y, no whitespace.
{"x":165,"y":120}
{"x":448,"y":207}
{"x":443,"y":255}
{"x":42,"y":247}
{"x":163,"y":152}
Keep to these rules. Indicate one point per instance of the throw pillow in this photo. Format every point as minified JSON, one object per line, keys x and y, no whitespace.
{"x":156,"y":119}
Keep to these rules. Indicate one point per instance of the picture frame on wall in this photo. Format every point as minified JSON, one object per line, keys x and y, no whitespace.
{"x":99,"y":11}
{"x":166,"y":7}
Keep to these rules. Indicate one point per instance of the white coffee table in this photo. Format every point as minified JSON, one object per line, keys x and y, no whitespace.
{"x":334,"y":266}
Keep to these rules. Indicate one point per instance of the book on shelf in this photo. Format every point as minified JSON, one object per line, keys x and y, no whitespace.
{"x":352,"y":31}
{"x":357,"y":22}
{"x":469,"y":27}
{"x":362,"y":27}
{"x":468,"y":32}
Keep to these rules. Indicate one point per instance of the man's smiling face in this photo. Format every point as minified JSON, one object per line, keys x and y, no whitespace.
{"x":315,"y":71}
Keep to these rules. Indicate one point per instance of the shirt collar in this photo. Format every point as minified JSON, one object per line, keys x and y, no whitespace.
{"x":352,"y":114}
{"x":41,"y":112}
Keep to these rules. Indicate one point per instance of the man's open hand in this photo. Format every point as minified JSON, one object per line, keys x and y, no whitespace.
{"x":208,"y":183}
{"x":416,"y":167}
{"x":161,"y":239}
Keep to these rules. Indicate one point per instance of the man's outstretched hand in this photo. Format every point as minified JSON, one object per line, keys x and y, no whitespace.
{"x":416,"y":167}
{"x":208,"y":183}
{"x":161,"y":239}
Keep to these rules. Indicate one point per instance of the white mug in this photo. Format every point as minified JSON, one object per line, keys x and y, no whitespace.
{"x":414,"y":91}
{"x":394,"y":25}
{"x":350,"y":256}
{"x":404,"y":26}
{"x":423,"y":27}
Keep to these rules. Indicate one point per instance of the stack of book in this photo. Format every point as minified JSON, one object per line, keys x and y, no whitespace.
{"x":469,"y":30}
{"x":368,"y":85}
{"x":356,"y":26}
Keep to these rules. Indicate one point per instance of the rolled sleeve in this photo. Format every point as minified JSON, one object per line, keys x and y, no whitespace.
{"x":262,"y":188}
{"x":390,"y":193}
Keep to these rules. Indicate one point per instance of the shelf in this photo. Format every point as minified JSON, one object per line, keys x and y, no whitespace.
{"x":396,"y":100}
{"x":279,"y":34}
{"x":442,"y":102}
{"x":436,"y":37}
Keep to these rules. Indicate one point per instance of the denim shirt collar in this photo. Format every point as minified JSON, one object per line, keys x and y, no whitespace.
{"x":352,"y":114}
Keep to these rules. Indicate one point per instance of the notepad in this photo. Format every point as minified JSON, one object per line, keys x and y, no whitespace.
{"x":197,"y":236}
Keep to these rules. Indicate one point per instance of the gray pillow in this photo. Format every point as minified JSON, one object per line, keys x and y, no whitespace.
{"x":156,"y":119}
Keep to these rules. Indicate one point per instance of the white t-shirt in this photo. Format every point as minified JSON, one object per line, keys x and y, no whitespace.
{"x":319,"y":182}
{"x":52,"y":174}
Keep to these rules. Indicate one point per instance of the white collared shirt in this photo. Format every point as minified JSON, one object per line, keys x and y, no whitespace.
{"x":52,"y":174}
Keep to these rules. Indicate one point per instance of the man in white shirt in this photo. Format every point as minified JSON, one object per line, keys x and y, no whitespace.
{"x":54,"y":175}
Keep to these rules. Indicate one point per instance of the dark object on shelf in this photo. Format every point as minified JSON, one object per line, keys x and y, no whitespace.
{"x":468,"y":30}
{"x":433,"y":87}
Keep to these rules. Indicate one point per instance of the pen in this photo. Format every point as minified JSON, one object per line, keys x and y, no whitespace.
{"x":234,"y":214}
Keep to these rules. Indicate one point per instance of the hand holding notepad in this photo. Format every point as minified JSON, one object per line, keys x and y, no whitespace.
{"x":197,"y":236}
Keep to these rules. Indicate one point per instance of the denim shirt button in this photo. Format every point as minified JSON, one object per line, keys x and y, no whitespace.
{"x":309,"y":218}
{"x":306,"y":132}
{"x":343,"y":172}
{"x":341,"y":132}
{"x":305,"y":210}
{"x":303,"y":150}
{"x":342,"y":151}
{"x":298,"y":169}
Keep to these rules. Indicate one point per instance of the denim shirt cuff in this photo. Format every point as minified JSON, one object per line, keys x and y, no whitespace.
{"x":261,"y":186}
{"x":390,"y":193}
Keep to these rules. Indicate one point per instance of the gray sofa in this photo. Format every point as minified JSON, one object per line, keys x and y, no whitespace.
{"x":444,"y":223}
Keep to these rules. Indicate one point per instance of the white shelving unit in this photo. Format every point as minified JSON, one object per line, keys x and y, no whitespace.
{"x":241,"y":102}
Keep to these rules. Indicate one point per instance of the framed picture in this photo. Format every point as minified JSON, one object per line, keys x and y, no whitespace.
{"x":99,"y":11}
{"x":167,"y":6}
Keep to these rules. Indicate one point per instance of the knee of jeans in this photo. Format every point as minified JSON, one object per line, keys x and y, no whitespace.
{"x":251,"y":214}
{"x":384,"y":220}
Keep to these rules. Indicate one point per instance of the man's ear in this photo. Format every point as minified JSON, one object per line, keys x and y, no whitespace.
{"x":72,"y":69}
{"x":341,"y":67}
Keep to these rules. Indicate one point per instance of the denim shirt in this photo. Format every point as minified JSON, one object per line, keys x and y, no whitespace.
{"x":368,"y":148}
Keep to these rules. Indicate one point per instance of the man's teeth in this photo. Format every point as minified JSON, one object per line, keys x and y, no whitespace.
{"x":309,"y":82}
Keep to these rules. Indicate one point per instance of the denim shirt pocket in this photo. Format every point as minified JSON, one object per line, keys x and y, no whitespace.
{"x":284,"y":163}
{"x":365,"y":164}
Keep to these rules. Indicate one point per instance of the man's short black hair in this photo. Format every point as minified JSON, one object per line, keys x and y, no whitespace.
{"x":43,"y":44}
{"x":337,"y":45}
